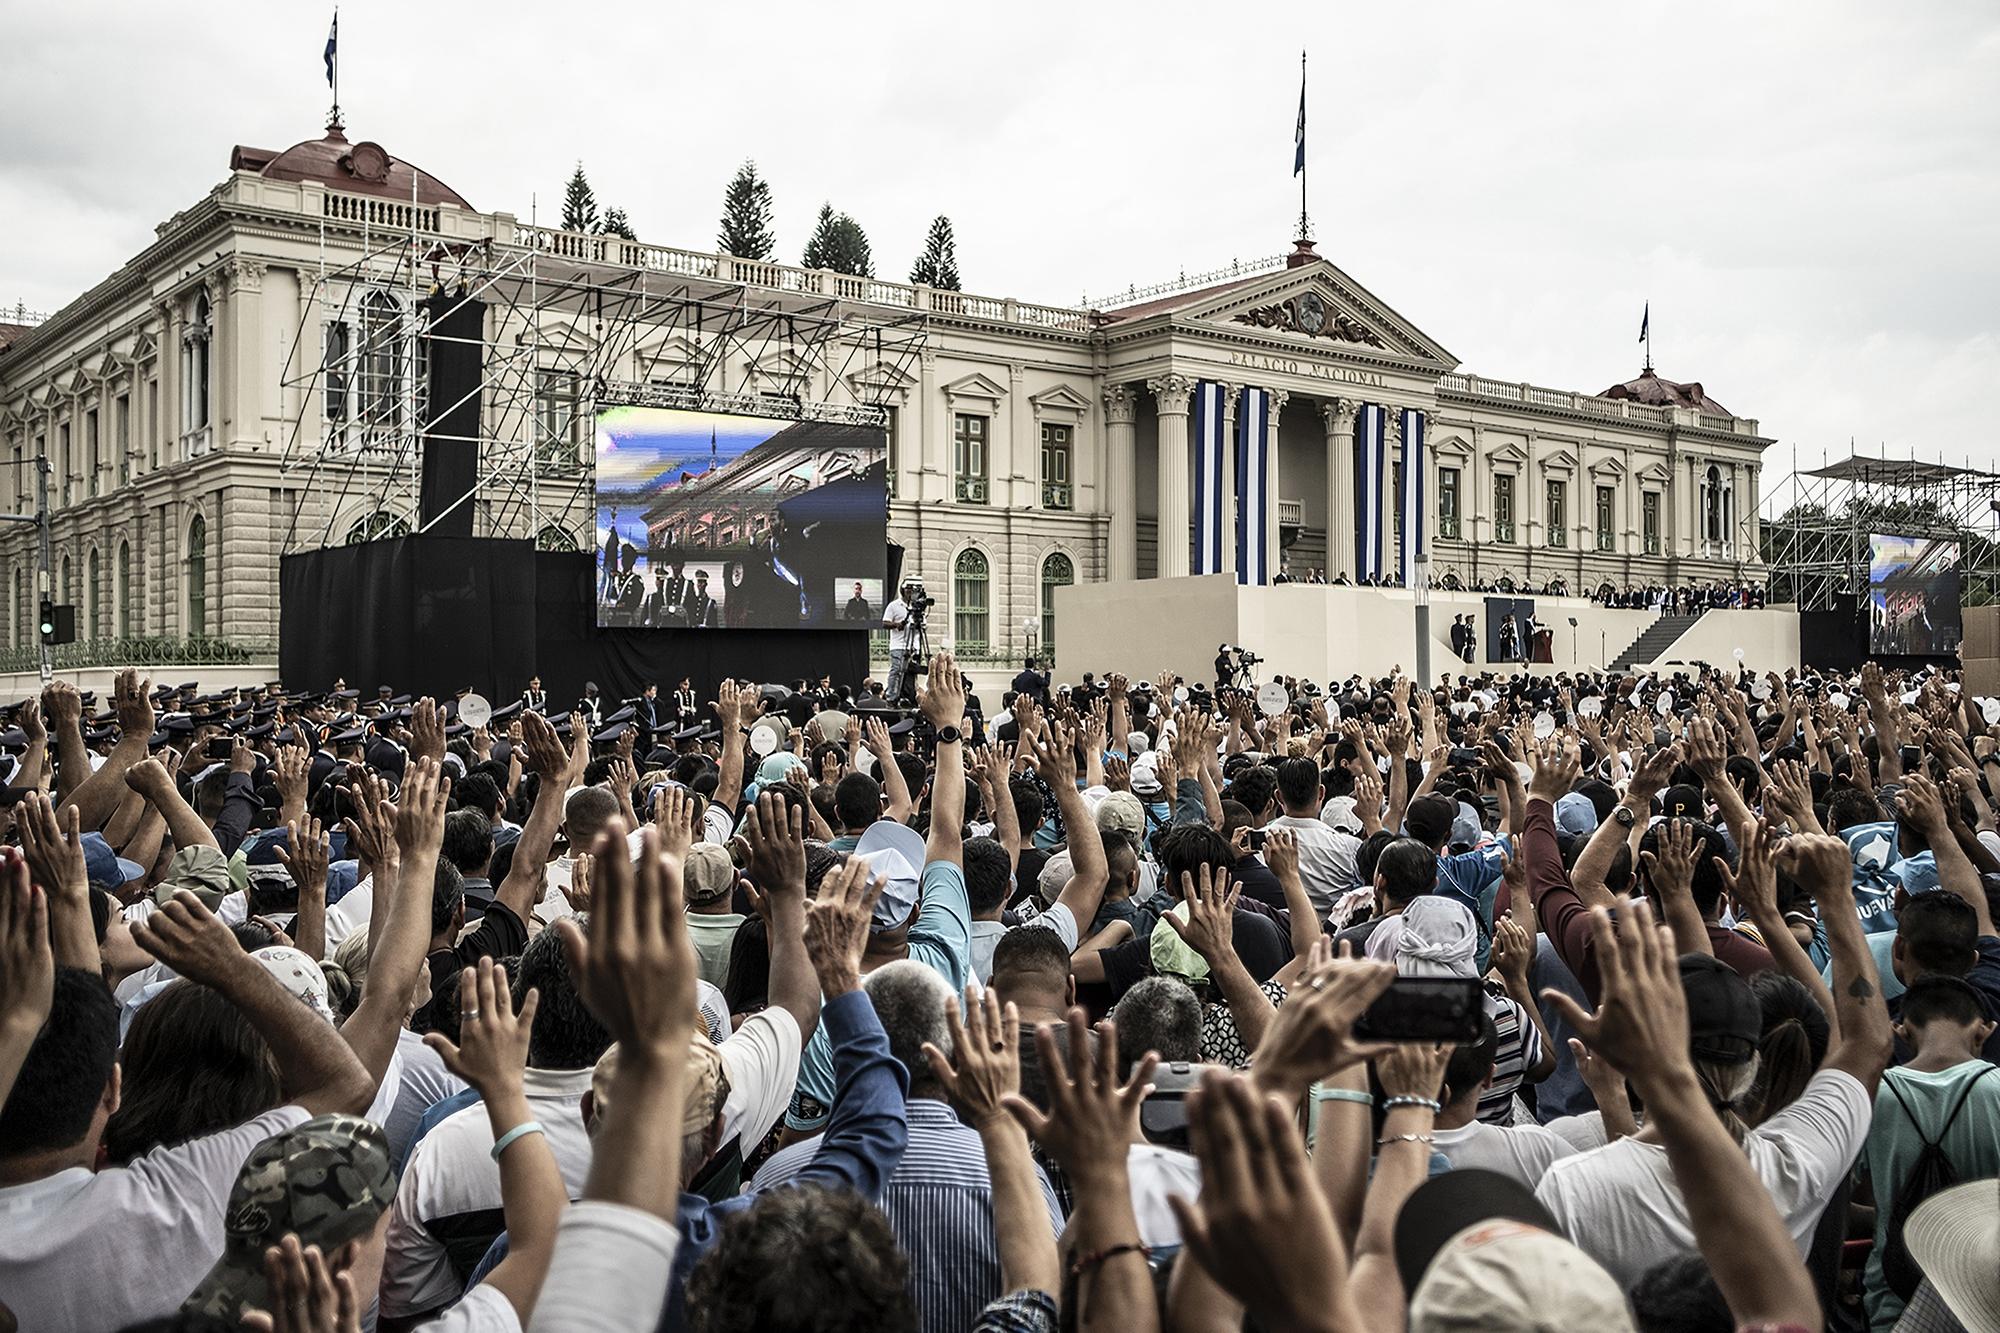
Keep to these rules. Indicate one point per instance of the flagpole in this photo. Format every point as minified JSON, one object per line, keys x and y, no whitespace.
{"x":1304,"y":226}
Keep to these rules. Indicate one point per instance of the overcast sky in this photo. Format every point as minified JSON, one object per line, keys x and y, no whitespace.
{"x":1808,"y":193}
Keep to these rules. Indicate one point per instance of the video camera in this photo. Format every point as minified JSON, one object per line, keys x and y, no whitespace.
{"x":915,"y":597}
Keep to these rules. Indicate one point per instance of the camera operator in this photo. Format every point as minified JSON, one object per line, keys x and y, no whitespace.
{"x":902,"y":618}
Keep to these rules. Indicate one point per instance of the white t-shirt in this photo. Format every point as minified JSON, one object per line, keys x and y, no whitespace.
{"x":451,"y":1175}
{"x":986,"y":936}
{"x":1621,"y":1206}
{"x":425,"y":1083}
{"x":762,"y":1061}
{"x":91,"y":1251}
{"x":1326,"y":859}
{"x":610,"y":1271}
{"x":484,"y":1310}
{"x":1522,"y":1152}
{"x":1155,"y":1174}
{"x":896,"y":615}
{"x":1581,"y":1132}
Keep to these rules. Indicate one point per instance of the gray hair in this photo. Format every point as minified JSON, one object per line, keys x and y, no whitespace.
{"x":909,"y":1000}
{"x":1158,"y":1014}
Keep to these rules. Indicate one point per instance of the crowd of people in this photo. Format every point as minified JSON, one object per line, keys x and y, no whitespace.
{"x":1683,"y":600}
{"x":1576,"y":1002}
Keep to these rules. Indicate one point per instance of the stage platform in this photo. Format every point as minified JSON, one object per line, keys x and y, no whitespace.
{"x":1320,"y":632}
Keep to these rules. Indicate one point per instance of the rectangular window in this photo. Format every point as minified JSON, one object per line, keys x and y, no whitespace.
{"x":1056,"y":492}
{"x":1558,"y":517}
{"x":1607,"y":501}
{"x":122,"y":441}
{"x":968,"y":443}
{"x":1649,"y":505}
{"x":337,"y":369}
{"x":1503,"y":508}
{"x":90,"y":468}
{"x":152,"y":424}
{"x":555,"y":416}
{"x":1396,"y":507}
{"x":63,"y":462}
{"x":21,"y":483}
{"x":891,"y":452}
{"x":1448,"y":502}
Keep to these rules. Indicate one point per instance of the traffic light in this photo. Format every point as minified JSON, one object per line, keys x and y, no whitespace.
{"x":58,"y":623}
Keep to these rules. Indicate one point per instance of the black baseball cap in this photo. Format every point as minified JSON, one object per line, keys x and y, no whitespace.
{"x":1725,"y":1020}
{"x":1447,"y":1204}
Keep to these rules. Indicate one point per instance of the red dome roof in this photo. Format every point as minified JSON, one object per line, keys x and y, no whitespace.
{"x":1651,"y":389}
{"x":356,"y":168}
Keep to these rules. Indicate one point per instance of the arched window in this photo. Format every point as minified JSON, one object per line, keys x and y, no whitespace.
{"x":377,"y":525}
{"x":68,"y":584}
{"x":90,"y":599}
{"x":1712,"y":497}
{"x":381,"y":362}
{"x":1058,"y":571}
{"x":337,"y":371}
{"x":553,"y":538}
{"x":970,"y":605}
{"x":124,"y":590}
{"x":197,"y":577}
{"x":195,"y":363}
{"x":14,"y":627}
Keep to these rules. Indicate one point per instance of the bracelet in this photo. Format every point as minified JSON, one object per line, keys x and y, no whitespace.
{"x":1084,"y":1263}
{"x":1343,"y":1095}
{"x":1391,"y":1103}
{"x":519,"y":1131}
{"x":1388,"y":1139}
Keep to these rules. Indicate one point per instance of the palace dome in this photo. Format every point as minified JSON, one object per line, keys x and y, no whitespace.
{"x":1657,"y":392}
{"x":355,"y":168}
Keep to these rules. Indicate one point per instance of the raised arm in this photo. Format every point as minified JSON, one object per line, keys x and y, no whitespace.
{"x":1083,"y":894}
{"x":943,"y":702}
{"x":1595,"y":861}
{"x":1923,"y":805}
{"x":55,"y":861}
{"x":1826,"y":867}
{"x":1753,"y":887}
{"x":62,"y":707}
{"x":397,"y":954}
{"x":527,"y":875}
{"x":27,"y":967}
{"x":1670,"y":870}
{"x":776,"y":837}
{"x":316,"y":1074}
{"x":1281,"y":856}
{"x":901,"y":807}
{"x":1211,"y":906}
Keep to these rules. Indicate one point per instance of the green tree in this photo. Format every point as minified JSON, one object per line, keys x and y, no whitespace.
{"x":579,"y":211}
{"x":746,"y":216}
{"x":938,"y":264}
{"x":839,"y":245}
{"x":616,"y":225}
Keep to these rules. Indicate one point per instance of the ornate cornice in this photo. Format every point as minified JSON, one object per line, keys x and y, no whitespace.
{"x":1307,"y":314}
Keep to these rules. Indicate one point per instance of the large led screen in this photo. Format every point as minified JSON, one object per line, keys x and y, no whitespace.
{"x":708,"y":520}
{"x":1913,"y":592}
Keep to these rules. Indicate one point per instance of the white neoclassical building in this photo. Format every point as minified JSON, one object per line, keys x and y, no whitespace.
{"x":220,"y":400}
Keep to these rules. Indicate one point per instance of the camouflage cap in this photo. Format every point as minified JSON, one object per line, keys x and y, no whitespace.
{"x":327,"y":1180}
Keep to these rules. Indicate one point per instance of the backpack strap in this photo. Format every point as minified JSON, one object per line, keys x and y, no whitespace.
{"x":1964,"y":1095}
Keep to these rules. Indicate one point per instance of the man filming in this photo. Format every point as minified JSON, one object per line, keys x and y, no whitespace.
{"x":896,"y":618}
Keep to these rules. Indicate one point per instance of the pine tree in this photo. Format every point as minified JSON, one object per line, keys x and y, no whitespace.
{"x":616,"y":225}
{"x":579,"y":211}
{"x":938,"y":264}
{"x":819,"y":245}
{"x":746,"y":216}
{"x":851,"y":253}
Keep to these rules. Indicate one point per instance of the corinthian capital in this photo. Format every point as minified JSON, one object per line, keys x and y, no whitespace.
{"x":1392,"y":426}
{"x":1173,"y":393}
{"x":1338,"y":414}
{"x":1121,"y":404}
{"x":1279,"y":397}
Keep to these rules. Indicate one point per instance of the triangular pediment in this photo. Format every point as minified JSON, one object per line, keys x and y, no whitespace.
{"x":1319,"y":305}
{"x":144,"y":347}
{"x":1061,"y":398}
{"x":976,"y":385}
{"x":780,"y":367}
{"x":880,"y":379}
{"x":1607,"y":467}
{"x":1562,"y":460}
{"x":1655,"y":472}
{"x":1452,"y":446}
{"x":1509,"y":452}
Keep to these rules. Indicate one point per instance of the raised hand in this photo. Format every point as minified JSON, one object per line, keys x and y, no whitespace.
{"x":1262,"y":1228}
{"x":1921,"y":804}
{"x":542,"y":751}
{"x":1655,"y":770}
{"x":1312,"y":1034}
{"x":132,"y":700}
{"x":307,"y":1296}
{"x":305,"y":853}
{"x":1513,"y":954}
{"x":188,"y":938}
{"x":985,"y":1061}
{"x":420,"y":814}
{"x":673,"y":816}
{"x":54,"y":848}
{"x":1670,"y":868}
{"x":837,"y":926}
{"x":62,"y":704}
{"x":290,"y":771}
{"x":1055,"y":756}
{"x":1706,"y":753}
{"x":942,"y":697}
{"x":1092,"y":1118}
{"x":1209,"y":928}
{"x":776,"y":835}
{"x":1557,"y":764}
{"x":27,"y":962}
{"x":1117,"y":773}
{"x":1753,"y":885}
{"x":492,"y":1049}
{"x":1281,"y":852}
{"x":636,"y":968}
{"x":577,"y":891}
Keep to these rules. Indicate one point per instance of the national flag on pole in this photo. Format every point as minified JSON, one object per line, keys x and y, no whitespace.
{"x":332,"y":47}
{"x":1646,"y":321}
{"x":1299,"y":136}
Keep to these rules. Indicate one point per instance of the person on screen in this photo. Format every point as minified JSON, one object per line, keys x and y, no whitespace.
{"x":702,"y":612}
{"x":857,"y":607}
{"x":664,"y":605}
{"x":627,"y":592}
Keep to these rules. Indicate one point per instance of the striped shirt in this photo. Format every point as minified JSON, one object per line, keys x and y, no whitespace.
{"x":939,"y":1203}
{"x":1519,"y":1049}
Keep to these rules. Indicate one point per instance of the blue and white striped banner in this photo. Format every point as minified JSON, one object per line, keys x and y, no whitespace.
{"x":1253,"y":486}
{"x":1211,"y":456}
{"x":1412,"y":526}
{"x":1370,"y":476}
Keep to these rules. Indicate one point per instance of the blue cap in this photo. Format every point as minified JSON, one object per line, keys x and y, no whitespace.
{"x":106,"y":869}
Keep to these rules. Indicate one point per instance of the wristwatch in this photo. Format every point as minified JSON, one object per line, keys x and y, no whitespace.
{"x":948,"y":736}
{"x":1625,"y":816}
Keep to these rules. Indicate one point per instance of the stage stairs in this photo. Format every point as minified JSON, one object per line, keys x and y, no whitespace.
{"x":1653,"y":644}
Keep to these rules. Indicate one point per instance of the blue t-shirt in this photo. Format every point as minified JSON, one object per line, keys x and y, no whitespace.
{"x":940,"y":939}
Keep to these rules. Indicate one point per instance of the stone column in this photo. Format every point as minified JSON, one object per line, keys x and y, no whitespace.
{"x":1176,"y":505}
{"x":1121,"y":493}
{"x":1230,"y":393}
{"x":1392,"y":455}
{"x":1274,"y":546}
{"x":1338,"y":415}
{"x":244,"y":408}
{"x":1753,"y":529}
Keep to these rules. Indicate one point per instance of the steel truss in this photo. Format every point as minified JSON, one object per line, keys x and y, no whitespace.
{"x":1816,"y":547}
{"x":565,"y":331}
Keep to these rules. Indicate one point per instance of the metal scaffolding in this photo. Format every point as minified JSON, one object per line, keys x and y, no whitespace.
{"x":571,"y":323}
{"x":1816,"y":547}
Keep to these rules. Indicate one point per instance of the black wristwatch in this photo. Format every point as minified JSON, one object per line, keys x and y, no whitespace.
{"x":1625,"y":816}
{"x":948,"y":736}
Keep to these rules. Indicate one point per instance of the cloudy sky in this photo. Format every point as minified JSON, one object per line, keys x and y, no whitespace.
{"x":1806,"y":192}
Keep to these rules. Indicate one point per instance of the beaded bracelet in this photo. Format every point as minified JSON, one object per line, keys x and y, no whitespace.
{"x":1084,"y":1263}
{"x":518,"y":1131}
{"x":1343,"y":1095}
{"x":1391,"y":1103}
{"x":1388,"y":1139}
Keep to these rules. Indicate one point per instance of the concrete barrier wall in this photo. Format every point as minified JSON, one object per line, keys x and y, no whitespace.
{"x":15,"y":686}
{"x":1321,"y":632}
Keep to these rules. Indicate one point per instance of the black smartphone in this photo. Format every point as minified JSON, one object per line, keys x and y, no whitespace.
{"x":1424,"y":1009}
{"x":1462,"y":756}
{"x":1258,"y":837}
{"x":219,"y":747}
